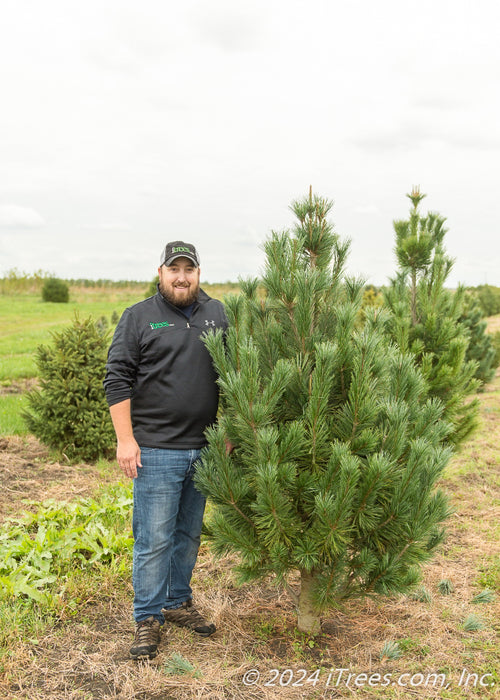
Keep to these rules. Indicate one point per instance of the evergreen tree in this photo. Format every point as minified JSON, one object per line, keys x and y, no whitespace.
{"x":489,"y":298}
{"x":330,"y":487}
{"x":55,"y":290}
{"x":69,"y":411}
{"x":425,"y":317}
{"x":480,"y":348}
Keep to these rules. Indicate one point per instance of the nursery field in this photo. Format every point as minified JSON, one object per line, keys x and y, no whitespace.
{"x":27,"y":321}
{"x":72,"y":642}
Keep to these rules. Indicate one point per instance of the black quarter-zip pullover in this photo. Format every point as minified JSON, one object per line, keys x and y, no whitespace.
{"x":158,"y":360}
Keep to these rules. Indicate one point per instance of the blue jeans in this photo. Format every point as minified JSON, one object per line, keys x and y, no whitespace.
{"x":167,"y":520}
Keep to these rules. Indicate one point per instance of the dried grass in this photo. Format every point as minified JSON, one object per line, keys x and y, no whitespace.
{"x":493,"y":324}
{"x":87,"y":657}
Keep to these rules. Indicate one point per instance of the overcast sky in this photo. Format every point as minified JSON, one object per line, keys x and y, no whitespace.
{"x":125,"y":124}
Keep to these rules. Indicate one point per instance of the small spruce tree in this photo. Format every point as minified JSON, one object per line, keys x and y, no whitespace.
{"x":55,"y":290}
{"x":69,"y":411}
{"x":330,"y":487}
{"x":425,"y":317}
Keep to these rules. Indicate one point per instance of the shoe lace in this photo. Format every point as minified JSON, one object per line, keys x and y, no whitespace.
{"x":196,"y":618}
{"x":144,"y":632}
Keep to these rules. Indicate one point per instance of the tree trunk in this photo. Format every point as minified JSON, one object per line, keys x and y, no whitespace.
{"x":308,"y":617}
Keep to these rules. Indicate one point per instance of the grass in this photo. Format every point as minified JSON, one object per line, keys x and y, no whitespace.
{"x":75,"y":645}
{"x":27,"y":321}
{"x":11,"y":422}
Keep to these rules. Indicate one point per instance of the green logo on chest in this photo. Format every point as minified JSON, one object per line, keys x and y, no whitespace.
{"x":162,"y":324}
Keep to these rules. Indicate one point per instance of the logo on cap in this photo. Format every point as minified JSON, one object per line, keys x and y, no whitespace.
{"x":176,"y":249}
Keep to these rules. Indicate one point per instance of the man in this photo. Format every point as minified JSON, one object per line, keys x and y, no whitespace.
{"x":161,"y":388}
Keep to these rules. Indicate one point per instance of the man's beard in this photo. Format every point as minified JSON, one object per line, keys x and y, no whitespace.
{"x":169,"y":294}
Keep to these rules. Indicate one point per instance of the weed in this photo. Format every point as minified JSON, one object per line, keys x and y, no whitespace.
{"x":302,"y":643}
{"x":445,"y":587}
{"x":412,"y":645}
{"x":472,"y":623}
{"x":490,"y":573}
{"x":264,"y":630}
{"x":40,"y":550}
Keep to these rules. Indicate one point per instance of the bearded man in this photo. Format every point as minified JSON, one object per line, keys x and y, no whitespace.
{"x":162,"y":392}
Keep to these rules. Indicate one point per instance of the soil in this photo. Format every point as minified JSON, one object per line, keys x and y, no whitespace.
{"x":28,"y":475}
{"x":18,"y":386}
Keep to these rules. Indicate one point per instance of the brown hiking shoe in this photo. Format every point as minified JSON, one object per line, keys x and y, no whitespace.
{"x":146,"y":640}
{"x":188,"y":616}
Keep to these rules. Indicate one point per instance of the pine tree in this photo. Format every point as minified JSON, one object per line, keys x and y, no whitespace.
{"x":425,"y":317}
{"x":330,"y":487}
{"x":480,"y":348}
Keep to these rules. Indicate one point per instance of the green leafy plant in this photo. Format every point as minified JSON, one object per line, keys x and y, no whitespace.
{"x":55,"y":290}
{"x":68,"y":412}
{"x":38,"y":550}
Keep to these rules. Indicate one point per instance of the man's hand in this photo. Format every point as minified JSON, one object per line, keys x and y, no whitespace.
{"x":128,"y":454}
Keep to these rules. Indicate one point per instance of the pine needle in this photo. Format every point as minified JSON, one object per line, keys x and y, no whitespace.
{"x":177,"y":665}
{"x":485,"y":596}
{"x":472,"y":623}
{"x":390,"y":652}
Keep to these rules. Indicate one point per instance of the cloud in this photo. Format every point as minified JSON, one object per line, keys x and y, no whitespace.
{"x":366,"y":209}
{"x":108,"y":227}
{"x":14,"y":216}
{"x":415,"y":135}
{"x":232,"y":28}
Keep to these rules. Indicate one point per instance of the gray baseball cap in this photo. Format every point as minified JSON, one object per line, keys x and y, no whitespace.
{"x":179,"y":249}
